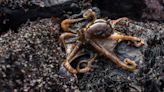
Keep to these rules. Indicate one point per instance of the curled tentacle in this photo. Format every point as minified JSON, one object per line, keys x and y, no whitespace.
{"x":88,"y":64}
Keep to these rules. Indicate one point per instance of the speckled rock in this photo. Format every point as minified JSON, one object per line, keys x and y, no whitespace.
{"x":42,"y":3}
{"x":30,"y":59}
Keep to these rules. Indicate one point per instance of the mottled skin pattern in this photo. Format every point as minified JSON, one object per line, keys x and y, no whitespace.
{"x":101,"y":35}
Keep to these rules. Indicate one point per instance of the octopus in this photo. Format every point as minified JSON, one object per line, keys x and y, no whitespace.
{"x":100,"y":34}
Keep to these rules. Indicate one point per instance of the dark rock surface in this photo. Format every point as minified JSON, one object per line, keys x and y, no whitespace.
{"x":13,"y":13}
{"x":154,"y":10}
{"x":30,"y":59}
{"x":120,"y":8}
{"x":138,"y":9}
